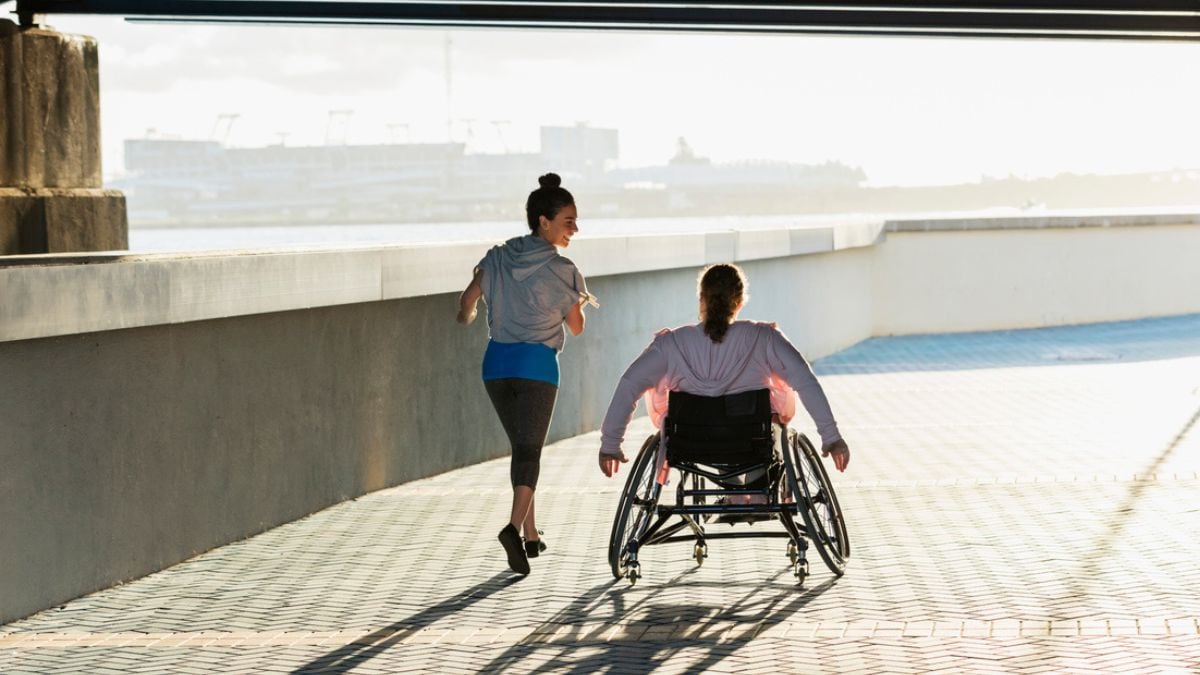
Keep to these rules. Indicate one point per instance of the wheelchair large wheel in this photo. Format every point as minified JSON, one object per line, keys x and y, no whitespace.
{"x":638,"y":506}
{"x":822,"y":514}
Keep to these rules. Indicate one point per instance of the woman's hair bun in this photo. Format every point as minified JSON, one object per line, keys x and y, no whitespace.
{"x":544,"y":202}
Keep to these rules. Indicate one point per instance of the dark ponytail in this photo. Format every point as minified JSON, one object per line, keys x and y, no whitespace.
{"x":547,"y":200}
{"x":723,"y":288}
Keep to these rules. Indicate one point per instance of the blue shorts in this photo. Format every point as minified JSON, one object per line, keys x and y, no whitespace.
{"x":527,"y":360}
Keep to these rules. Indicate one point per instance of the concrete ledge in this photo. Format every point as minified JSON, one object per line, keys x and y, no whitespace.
{"x":1047,"y":221}
{"x":49,"y":295}
{"x":1000,"y":279}
{"x":63,"y":294}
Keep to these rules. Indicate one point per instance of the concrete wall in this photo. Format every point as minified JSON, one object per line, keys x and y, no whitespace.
{"x":157,"y":406}
{"x":973,"y":279}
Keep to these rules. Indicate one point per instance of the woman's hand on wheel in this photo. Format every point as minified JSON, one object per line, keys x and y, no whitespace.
{"x":840,"y":453}
{"x":610,"y":463}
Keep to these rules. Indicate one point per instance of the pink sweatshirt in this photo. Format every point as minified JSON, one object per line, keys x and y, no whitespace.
{"x":753,"y":355}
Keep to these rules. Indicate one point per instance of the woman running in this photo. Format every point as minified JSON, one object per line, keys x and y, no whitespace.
{"x":531,"y":292}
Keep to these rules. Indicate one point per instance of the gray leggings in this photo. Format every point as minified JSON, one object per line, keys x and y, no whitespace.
{"x":524,"y":407}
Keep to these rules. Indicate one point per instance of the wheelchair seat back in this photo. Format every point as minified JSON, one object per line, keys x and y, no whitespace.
{"x":727,"y":430}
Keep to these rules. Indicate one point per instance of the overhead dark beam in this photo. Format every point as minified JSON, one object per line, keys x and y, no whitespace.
{"x":1084,"y":19}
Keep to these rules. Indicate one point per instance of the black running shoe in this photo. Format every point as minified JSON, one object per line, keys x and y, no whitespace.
{"x":536,"y":547}
{"x":511,"y":540}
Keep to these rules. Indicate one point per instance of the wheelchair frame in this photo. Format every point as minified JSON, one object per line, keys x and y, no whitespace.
{"x":801,"y":489}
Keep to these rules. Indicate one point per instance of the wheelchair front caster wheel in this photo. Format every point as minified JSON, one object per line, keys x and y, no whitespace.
{"x":801,"y":572}
{"x":634,"y":573}
{"x":793,"y":552}
{"x":700,"y":552}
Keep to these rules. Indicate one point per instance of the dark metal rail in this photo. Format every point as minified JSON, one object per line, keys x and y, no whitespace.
{"x":1083,"y":19}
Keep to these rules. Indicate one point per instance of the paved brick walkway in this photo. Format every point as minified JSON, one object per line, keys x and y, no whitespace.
{"x":1018,"y":502}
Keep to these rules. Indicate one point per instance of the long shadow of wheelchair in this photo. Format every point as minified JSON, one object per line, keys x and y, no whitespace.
{"x":589,"y":619}
{"x":347,"y":657}
{"x":586,"y":643}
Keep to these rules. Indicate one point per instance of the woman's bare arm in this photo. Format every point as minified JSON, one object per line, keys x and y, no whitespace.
{"x":644,"y":373}
{"x":575,"y":319}
{"x":469,"y":300}
{"x":794,"y":369}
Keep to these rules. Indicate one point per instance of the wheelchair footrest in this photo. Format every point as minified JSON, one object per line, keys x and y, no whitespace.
{"x":728,"y":508}
{"x":747,"y":492}
{"x":724,"y":535}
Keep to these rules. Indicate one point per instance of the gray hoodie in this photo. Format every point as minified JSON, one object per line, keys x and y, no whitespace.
{"x":529,"y":289}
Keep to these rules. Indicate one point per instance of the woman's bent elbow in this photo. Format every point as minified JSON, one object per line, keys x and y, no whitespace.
{"x":575,"y":320}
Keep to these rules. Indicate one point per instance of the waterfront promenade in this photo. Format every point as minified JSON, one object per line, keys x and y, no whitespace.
{"x":1024,"y":501}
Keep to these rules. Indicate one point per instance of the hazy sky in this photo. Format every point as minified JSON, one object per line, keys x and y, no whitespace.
{"x":907,"y":110}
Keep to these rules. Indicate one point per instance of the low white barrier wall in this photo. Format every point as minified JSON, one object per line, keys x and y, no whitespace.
{"x":67,"y":294}
{"x":972,"y":279}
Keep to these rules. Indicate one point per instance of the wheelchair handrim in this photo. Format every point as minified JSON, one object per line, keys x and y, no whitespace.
{"x":820,"y":519}
{"x":639,"y":485}
{"x":834,"y":517}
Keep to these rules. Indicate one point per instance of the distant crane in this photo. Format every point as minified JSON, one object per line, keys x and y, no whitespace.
{"x":468,"y":124}
{"x":282,"y":136}
{"x":222,"y":127}
{"x":448,"y":76}
{"x":337,"y":127}
{"x":467,"y":134}
{"x":501,"y":125}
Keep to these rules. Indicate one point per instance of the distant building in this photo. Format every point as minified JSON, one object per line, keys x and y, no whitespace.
{"x":196,"y":182}
{"x":581,"y":150}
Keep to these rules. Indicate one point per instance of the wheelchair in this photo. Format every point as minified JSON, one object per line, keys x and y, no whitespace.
{"x":726,"y":450}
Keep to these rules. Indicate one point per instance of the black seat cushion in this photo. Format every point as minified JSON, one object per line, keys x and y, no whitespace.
{"x":728,"y":430}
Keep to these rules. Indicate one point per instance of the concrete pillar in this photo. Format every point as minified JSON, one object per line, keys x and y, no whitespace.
{"x":51,"y":198}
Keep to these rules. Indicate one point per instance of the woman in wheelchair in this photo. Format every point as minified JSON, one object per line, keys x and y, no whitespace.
{"x":718,"y":356}
{"x":709,"y":371}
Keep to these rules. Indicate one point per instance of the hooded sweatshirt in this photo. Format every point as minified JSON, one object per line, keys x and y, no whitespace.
{"x":529,"y":290}
{"x":751,"y":356}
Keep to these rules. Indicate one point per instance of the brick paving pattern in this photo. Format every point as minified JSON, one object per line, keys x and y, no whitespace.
{"x":1018,"y":502}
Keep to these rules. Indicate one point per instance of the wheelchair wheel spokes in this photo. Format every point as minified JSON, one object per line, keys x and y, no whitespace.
{"x":791,"y":497}
{"x":638,"y":506}
{"x":826,"y":501}
{"x":822,"y":514}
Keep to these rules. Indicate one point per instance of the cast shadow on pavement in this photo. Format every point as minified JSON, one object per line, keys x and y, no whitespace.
{"x":1121,"y":516}
{"x":349,"y":656}
{"x":589,"y":622}
{"x":1089,"y":579}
